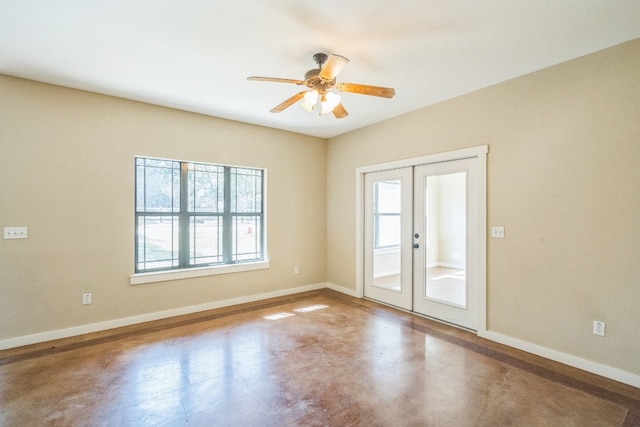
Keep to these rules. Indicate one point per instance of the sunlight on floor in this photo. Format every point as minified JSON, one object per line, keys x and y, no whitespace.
{"x":278,"y":316}
{"x":305,"y":309}
{"x":310,"y":308}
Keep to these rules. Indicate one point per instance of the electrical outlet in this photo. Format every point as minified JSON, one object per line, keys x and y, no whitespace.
{"x":86,"y":299}
{"x":497,"y":232}
{"x":598,"y":328}
{"x":296,"y":270}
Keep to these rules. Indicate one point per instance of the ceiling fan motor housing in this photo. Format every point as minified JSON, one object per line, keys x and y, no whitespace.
{"x":311,"y":74}
{"x":312,"y":78}
{"x":320,"y":58}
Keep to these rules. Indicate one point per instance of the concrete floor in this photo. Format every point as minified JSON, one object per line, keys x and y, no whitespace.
{"x":318,"y":358}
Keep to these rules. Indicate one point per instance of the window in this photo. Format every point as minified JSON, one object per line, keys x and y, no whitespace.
{"x":386,"y":214}
{"x":195,"y":214}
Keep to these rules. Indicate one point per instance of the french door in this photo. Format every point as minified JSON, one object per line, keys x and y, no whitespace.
{"x":421,"y":239}
{"x":388,"y":224}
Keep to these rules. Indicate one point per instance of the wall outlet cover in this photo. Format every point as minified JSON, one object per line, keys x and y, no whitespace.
{"x":497,"y":232}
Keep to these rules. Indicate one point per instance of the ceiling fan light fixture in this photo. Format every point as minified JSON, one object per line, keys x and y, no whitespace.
{"x":319,"y":81}
{"x":310,"y":99}
{"x":328,"y":102}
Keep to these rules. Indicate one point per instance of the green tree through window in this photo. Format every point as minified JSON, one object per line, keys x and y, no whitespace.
{"x":194,"y":214}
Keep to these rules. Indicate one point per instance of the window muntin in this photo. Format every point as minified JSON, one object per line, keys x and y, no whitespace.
{"x":194,"y":214}
{"x":206,"y":187}
{"x":157,"y":185}
{"x":386,"y":214}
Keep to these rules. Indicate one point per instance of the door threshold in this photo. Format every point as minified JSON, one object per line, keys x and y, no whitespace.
{"x":434,"y":319}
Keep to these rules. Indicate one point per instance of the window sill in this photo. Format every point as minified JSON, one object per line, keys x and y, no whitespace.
{"x":388,"y":250}
{"x":163,"y":276}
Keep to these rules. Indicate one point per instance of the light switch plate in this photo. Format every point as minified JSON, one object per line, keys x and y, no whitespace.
{"x":15,"y":233}
{"x":497,"y":232}
{"x":598,"y":328}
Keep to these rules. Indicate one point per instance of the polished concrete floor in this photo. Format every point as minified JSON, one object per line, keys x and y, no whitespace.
{"x":313,"y":359}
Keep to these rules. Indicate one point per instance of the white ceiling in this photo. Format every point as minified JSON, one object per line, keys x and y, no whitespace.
{"x":195,"y":55}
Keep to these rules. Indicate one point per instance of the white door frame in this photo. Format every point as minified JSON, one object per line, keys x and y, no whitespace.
{"x":480,"y":153}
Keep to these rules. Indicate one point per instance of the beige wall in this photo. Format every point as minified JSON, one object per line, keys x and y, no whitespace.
{"x":564,"y":180}
{"x":66,"y":172}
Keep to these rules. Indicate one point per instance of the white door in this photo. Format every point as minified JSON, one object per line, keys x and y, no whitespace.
{"x":421,"y":239}
{"x":445,"y":264}
{"x":388,"y":224}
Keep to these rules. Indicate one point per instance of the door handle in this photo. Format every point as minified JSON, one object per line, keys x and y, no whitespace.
{"x":416,"y":246}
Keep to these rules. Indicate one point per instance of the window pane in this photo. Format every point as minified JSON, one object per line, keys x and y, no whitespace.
{"x":247,"y":232}
{"x":205,"y":240}
{"x":246,"y":190}
{"x":157,"y":242}
{"x":157,"y":185}
{"x":388,"y":230}
{"x":387,"y":194}
{"x":206,"y":188}
{"x":446,"y":221}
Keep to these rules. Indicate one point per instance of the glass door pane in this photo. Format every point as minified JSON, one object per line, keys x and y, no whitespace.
{"x":388,"y":217}
{"x":387,"y":211}
{"x":445,"y":219}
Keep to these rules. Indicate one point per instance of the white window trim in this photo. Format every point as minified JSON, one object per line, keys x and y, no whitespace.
{"x":387,"y":250}
{"x":187,"y":273}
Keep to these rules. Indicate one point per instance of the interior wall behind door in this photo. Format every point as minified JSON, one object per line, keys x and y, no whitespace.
{"x":446,"y":239}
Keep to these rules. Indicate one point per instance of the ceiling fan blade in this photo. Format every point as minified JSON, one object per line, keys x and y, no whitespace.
{"x":384,"y":92}
{"x":331,"y":68}
{"x":289,"y":102}
{"x":340,"y":112}
{"x":274,"y":79}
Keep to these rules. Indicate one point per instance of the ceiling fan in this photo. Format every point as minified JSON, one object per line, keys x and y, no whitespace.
{"x":320,"y":81}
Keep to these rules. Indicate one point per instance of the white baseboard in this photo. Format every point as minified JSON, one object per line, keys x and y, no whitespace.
{"x":567,"y":359}
{"x":133,"y":320}
{"x":341,"y":289}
